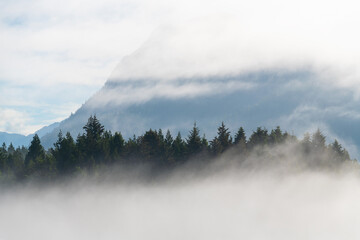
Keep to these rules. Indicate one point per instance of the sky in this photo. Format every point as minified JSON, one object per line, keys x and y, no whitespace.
{"x":57,"y":54}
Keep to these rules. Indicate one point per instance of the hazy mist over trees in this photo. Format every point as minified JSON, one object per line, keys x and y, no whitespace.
{"x":98,"y":149}
{"x":159,"y":186}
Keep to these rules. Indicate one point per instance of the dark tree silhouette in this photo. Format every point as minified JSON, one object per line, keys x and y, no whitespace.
{"x":36,"y":151}
{"x":222,"y":141}
{"x":193,"y":142}
{"x":258,"y":138}
{"x":97,"y":148}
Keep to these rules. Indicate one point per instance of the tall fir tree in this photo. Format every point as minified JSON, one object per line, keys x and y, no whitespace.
{"x":94,"y":131}
{"x":276,"y":136}
{"x":223,"y":138}
{"x":168,"y":143}
{"x":65,"y":154}
{"x":339,"y":153}
{"x":36,"y":151}
{"x":306,"y":143}
{"x":117,"y":146}
{"x":93,"y":128}
{"x":37,"y":164}
{"x":193,"y":141}
{"x":240,"y":140}
{"x":151,"y":148}
{"x":3,"y":159}
{"x":318,"y":141}
{"x":258,"y":138}
{"x":179,"y":148}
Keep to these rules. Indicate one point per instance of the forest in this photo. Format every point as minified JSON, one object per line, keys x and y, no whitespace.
{"x":97,"y":149}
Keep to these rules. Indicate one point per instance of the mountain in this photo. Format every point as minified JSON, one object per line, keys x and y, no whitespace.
{"x":22,"y":140}
{"x":15,"y":139}
{"x":292,"y":100}
{"x":179,"y":77}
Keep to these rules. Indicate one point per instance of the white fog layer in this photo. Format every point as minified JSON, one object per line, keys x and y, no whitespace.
{"x":228,"y":205}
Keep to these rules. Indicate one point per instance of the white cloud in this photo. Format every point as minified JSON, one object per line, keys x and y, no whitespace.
{"x":223,"y":205}
{"x":309,"y":118}
{"x":260,"y":36}
{"x":76,"y":44}
{"x":11,"y":121}
{"x":144,"y":91}
{"x":73,"y":46}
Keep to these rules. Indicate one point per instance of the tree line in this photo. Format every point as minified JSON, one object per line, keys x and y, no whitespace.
{"x":97,"y":148}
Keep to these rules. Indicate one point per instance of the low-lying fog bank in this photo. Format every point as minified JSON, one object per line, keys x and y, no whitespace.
{"x":275,"y":193}
{"x":307,"y":205}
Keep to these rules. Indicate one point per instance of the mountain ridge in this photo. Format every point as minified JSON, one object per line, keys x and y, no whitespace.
{"x":18,"y":140}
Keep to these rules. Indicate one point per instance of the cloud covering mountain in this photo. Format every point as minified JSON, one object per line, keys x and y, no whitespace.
{"x":51,"y":49}
{"x":246,"y":63}
{"x":221,"y":69}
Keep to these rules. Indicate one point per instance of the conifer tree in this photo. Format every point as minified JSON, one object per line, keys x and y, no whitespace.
{"x":240,"y":140}
{"x":168,"y":143}
{"x":179,"y":148}
{"x":258,"y":138}
{"x":37,"y":164}
{"x":318,"y":141}
{"x":193,"y":142}
{"x":240,"y":136}
{"x":92,"y":142}
{"x":36,"y":151}
{"x":276,"y":136}
{"x":3,"y":159}
{"x":340,"y":153}
{"x":16,"y":163}
{"x":223,"y":138}
{"x":306,"y":143}
{"x":65,"y":154}
{"x":162,"y":147}
{"x":161,"y":135}
{"x":93,"y":128}
{"x":132,"y":149}
{"x":204,"y":142}
{"x":168,"y":139}
{"x":105,"y":148}
{"x":151,"y":147}
{"x":11,"y":149}
{"x":215,"y":146}
{"x":117,"y":145}
{"x":3,"y":147}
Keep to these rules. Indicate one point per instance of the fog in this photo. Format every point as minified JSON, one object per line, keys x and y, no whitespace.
{"x":282,"y":196}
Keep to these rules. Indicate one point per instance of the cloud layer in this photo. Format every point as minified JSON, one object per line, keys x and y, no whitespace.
{"x":287,"y":191}
{"x":47,"y":45}
{"x":253,"y":206}
{"x":256,"y":36}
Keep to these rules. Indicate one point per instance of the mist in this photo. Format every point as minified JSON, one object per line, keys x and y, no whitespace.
{"x":273,"y":193}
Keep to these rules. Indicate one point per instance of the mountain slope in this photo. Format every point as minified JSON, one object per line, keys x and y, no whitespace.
{"x":22,"y":140}
{"x":269,"y":99}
